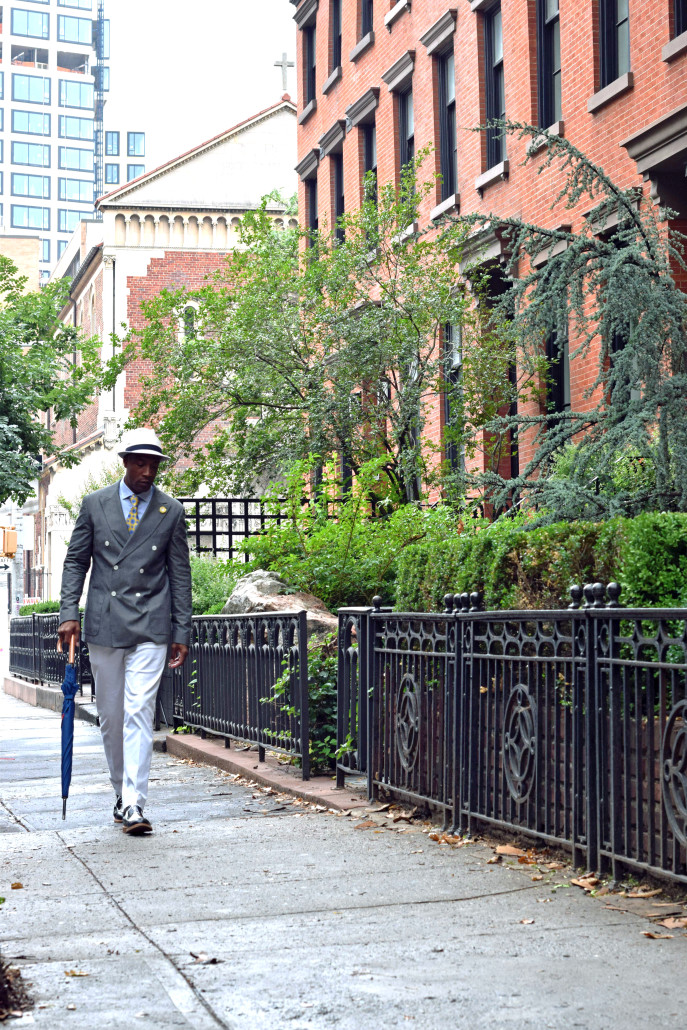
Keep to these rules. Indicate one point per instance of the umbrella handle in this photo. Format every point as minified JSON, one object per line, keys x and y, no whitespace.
{"x":72,"y":647}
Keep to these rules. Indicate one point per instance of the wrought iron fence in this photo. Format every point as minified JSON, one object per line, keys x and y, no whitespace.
{"x":216,"y":525}
{"x":570,"y":726}
{"x":34,"y":654}
{"x":246,"y":679}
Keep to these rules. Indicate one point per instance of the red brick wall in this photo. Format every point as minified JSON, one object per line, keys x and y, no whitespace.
{"x":659,"y":87}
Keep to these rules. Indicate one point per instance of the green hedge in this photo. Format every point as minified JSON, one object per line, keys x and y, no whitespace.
{"x":514,"y":566}
{"x":40,"y":608}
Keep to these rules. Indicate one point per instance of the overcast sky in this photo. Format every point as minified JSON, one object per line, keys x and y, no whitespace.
{"x":183,"y":72}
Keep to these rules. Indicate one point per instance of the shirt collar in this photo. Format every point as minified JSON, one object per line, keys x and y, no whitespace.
{"x":125,"y":493}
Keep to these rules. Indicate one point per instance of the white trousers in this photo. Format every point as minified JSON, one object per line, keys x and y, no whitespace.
{"x":126,"y":682}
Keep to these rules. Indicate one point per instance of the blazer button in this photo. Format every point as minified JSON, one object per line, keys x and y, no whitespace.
{"x":155,"y":547}
{"x":115,"y":567}
{"x":107,"y":543}
{"x":114,"y":593}
{"x":141,"y":570}
{"x":138,"y":595}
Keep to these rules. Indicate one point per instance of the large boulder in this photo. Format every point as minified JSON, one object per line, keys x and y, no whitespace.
{"x":262,"y":591}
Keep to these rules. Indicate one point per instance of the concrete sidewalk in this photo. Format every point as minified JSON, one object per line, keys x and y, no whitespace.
{"x":247,"y":909}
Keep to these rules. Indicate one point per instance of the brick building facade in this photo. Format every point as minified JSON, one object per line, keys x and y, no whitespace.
{"x":171,"y":227}
{"x":380,"y":80}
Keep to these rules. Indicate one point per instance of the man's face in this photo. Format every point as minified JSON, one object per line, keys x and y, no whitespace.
{"x":141,"y":470}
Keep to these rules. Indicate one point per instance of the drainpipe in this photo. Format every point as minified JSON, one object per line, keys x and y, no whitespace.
{"x":114,"y":319}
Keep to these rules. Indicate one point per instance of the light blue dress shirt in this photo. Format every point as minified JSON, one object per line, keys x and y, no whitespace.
{"x":125,"y":496}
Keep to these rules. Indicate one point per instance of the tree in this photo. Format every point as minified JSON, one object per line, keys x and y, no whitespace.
{"x":611,"y":287}
{"x":327,"y":343}
{"x":38,"y":373}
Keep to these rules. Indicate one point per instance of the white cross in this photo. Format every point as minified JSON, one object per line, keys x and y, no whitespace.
{"x":284,"y":64}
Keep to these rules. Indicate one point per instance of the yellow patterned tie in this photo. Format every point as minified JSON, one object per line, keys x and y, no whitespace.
{"x":133,"y":519}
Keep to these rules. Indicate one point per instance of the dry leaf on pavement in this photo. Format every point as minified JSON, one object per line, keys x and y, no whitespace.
{"x":587,"y":883}
{"x":527,"y":921}
{"x":673,"y":924}
{"x":644,"y":893}
{"x":75,"y":972}
{"x":657,"y":936}
{"x":365,"y":825}
{"x":508,"y":849}
{"x":17,"y":886}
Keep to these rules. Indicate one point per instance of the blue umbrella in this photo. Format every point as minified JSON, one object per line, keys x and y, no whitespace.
{"x":69,"y":689}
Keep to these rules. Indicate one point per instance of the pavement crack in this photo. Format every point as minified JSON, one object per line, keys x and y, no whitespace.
{"x":15,"y":818}
{"x":178,"y":970}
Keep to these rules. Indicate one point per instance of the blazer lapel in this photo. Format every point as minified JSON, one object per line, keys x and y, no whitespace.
{"x":114,"y":516}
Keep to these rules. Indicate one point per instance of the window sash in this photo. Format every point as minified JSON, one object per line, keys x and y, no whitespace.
{"x":112,"y":144}
{"x":447,"y":125}
{"x":339,"y":195}
{"x":680,"y":17}
{"x":336,"y":29}
{"x":310,"y":65}
{"x":614,"y":41}
{"x":549,"y":62}
{"x":366,"y":17}
{"x":26,"y":185}
{"x":495,"y":90}
{"x":31,"y":123}
{"x":406,"y":120}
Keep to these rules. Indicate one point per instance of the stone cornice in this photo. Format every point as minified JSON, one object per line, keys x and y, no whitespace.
{"x":306,"y":13}
{"x":307,"y":165}
{"x":360,"y":112}
{"x":400,"y":73}
{"x":333,"y":138}
{"x":438,"y":34}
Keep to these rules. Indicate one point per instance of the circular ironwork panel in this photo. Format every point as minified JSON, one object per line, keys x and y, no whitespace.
{"x":520,"y":742}
{"x":674,"y":766}
{"x":407,"y":722}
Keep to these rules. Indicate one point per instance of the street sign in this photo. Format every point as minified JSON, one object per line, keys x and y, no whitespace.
{"x":4,"y":568}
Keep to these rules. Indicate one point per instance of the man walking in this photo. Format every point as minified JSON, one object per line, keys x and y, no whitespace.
{"x":133,"y":539}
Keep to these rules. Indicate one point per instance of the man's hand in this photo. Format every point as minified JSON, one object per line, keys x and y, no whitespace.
{"x":178,"y":657}
{"x":67,"y":630}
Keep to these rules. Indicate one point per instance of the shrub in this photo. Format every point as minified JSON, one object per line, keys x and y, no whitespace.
{"x":212,"y":580}
{"x":344,"y":550}
{"x":39,"y":608}
{"x":516,"y":566}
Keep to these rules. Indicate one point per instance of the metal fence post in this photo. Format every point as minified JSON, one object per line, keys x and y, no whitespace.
{"x":304,"y":700}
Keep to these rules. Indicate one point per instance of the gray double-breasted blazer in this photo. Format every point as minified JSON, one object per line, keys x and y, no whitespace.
{"x":140,"y":585}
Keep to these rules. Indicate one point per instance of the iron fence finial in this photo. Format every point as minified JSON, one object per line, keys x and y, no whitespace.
{"x":613,"y":590}
{"x":576,"y":597}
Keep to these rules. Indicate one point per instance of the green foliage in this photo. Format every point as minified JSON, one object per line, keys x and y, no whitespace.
{"x":322,"y":703}
{"x":212,"y":580}
{"x":515,"y":564}
{"x":40,"y":608}
{"x":342,"y":549}
{"x":335,"y":348}
{"x":610,"y":286}
{"x":38,"y":372}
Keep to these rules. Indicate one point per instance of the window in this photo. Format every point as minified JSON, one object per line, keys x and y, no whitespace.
{"x":495,"y":92}
{"x":336,"y":19}
{"x":614,"y":31}
{"x":61,"y":247}
{"x":74,"y":30}
{"x":32,"y":89}
{"x":26,"y":217}
{"x":453,"y":365}
{"x":76,"y":94}
{"x":339,"y":197}
{"x":366,"y":13}
{"x":2,"y":182}
{"x":112,"y":144}
{"x":447,"y":124}
{"x":135,"y":144}
{"x":31,"y":154}
{"x":67,"y":221}
{"x":406,"y":125}
{"x":311,"y":198}
{"x":558,"y":379}
{"x":30,"y":185}
{"x":33,"y":123}
{"x":75,"y":158}
{"x":370,"y":159}
{"x":79,"y":190}
{"x":133,"y":171}
{"x":73,"y":127}
{"x":549,"y":62}
{"x":2,"y":119}
{"x":310,"y":69}
{"x":2,"y":80}
{"x":45,"y":250}
{"x":111,"y":174}
{"x":680,"y":17}
{"x":30,"y":23}
{"x":85,"y":5}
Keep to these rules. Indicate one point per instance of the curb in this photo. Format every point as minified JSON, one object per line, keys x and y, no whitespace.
{"x":318,"y":790}
{"x":42,"y":696}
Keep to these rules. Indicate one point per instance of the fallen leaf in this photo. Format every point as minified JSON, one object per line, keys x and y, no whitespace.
{"x":201,"y":959}
{"x":538,"y":877}
{"x":71,"y":1007}
{"x":673,"y":924}
{"x":17,"y":886}
{"x":555,"y":865}
{"x":527,"y":921}
{"x":657,"y":936}
{"x":508,"y":849}
{"x":587,"y":883}
{"x":526,"y":860}
{"x":75,"y":972}
{"x":483,"y":690}
{"x":494,"y":860}
{"x":365,"y":825}
{"x":644,"y":894}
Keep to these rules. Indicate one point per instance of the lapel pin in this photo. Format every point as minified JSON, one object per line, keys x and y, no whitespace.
{"x":162,"y":509}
